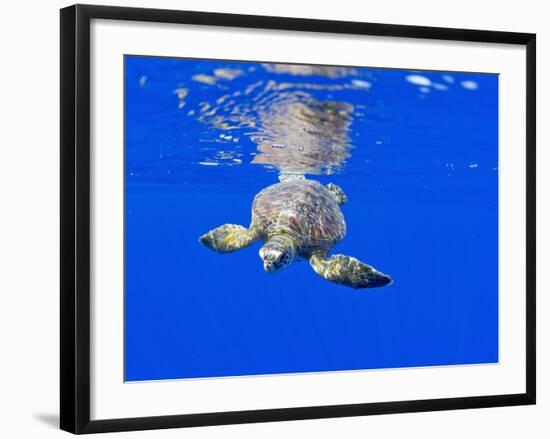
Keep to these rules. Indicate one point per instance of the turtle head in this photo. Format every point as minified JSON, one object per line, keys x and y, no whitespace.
{"x":278,"y":252}
{"x":337,"y":193}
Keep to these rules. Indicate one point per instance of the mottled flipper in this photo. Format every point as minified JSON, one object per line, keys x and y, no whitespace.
{"x":348,"y":271}
{"x":228,"y":238}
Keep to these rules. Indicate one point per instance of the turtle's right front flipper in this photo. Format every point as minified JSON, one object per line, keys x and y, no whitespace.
{"x":228,"y":238}
{"x":348,"y":271}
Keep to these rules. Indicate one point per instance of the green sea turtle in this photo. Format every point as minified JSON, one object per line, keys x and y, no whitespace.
{"x":298,"y":219}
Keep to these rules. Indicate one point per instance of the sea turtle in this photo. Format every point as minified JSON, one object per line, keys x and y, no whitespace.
{"x":298,"y":219}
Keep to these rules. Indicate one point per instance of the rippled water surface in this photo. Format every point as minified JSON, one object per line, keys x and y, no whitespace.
{"x":417,"y":156}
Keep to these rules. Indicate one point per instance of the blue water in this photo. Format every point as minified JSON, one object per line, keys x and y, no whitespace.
{"x":417,"y":155}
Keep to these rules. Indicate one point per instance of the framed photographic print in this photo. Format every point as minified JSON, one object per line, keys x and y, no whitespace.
{"x":267,"y":219}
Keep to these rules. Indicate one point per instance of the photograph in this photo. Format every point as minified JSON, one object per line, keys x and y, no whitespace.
{"x":267,"y":220}
{"x":298,"y":219}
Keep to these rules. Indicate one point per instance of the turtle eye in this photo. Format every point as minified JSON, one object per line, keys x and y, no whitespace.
{"x":270,"y":255}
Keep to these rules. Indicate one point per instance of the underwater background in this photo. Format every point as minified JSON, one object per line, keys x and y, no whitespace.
{"x":416,"y":153}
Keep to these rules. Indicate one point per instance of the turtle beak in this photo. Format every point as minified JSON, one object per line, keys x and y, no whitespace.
{"x":268,"y":261}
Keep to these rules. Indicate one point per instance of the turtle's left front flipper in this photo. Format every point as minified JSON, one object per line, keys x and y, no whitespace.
{"x":228,"y":238}
{"x":348,"y":271}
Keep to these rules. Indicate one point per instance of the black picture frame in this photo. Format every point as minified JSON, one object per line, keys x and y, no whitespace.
{"x":75,"y":218}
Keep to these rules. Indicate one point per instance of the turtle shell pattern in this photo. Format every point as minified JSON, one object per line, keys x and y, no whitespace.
{"x":303,"y":209}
